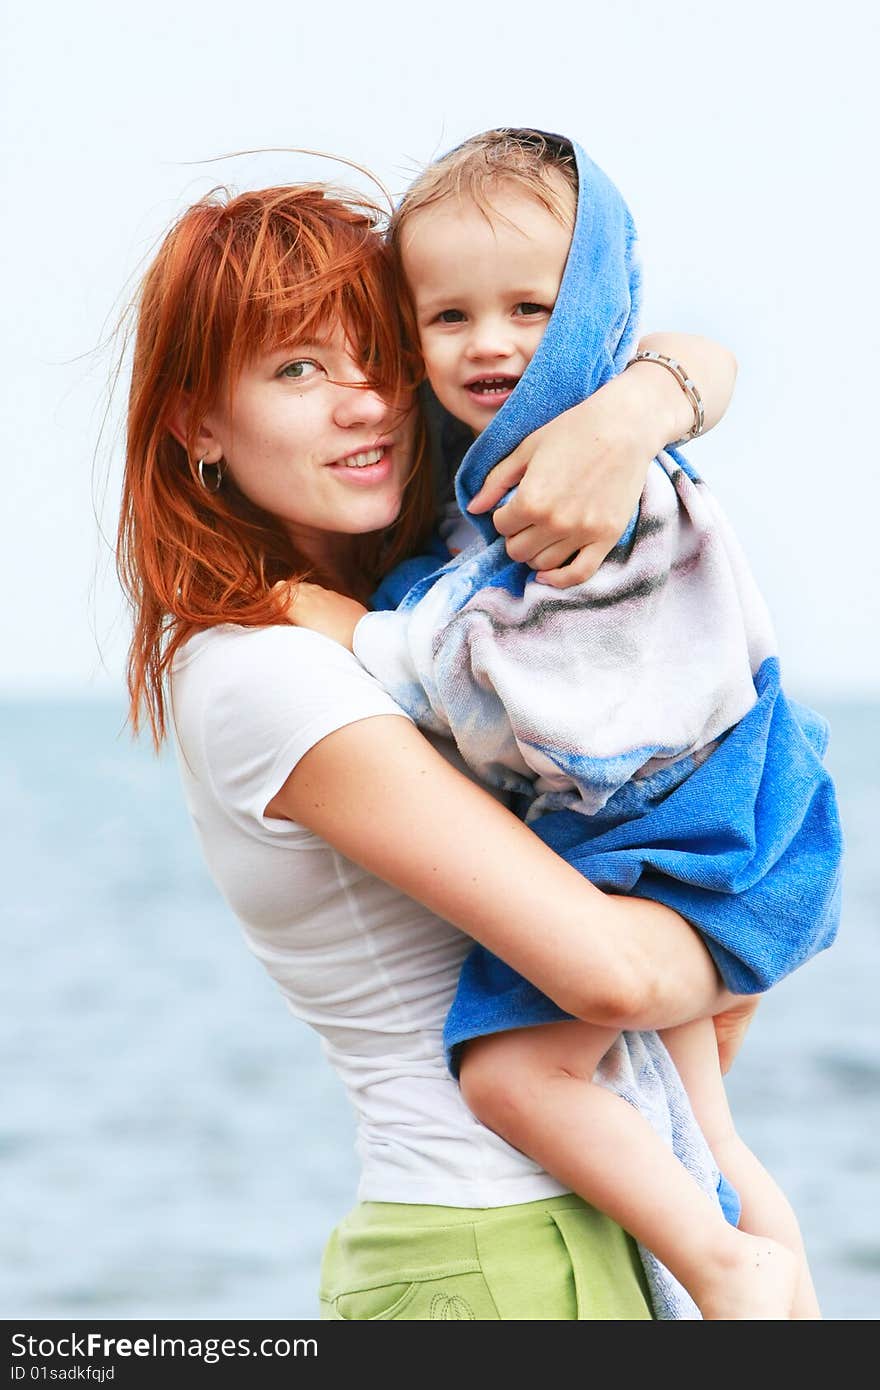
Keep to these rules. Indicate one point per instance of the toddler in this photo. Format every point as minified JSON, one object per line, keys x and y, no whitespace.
{"x":638,"y":717}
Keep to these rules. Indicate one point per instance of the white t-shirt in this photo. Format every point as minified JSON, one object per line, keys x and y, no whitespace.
{"x":370,"y":969}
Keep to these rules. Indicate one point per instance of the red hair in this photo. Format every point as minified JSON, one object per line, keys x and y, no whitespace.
{"x":234,"y":278}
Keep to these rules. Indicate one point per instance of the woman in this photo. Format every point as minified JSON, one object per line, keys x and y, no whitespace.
{"x":271,"y":434}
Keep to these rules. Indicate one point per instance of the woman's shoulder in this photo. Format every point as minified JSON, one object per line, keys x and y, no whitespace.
{"x":260,"y":667}
{"x":246,"y":697}
{"x":232,"y":647}
{"x":235,"y":663}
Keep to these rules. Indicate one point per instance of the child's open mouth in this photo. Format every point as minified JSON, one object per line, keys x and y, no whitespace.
{"x":491,"y":390}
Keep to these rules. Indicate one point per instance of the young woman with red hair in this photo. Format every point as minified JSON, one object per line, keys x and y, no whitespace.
{"x":272,"y":435}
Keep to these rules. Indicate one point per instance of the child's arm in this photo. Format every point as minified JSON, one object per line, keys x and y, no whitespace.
{"x":580,"y":476}
{"x":321,"y":610}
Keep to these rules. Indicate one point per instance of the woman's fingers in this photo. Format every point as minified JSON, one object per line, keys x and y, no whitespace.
{"x":731,"y":1027}
{"x":561,"y":562}
{"x":500,"y":480}
{"x":543,"y":529}
{"x":579,"y":569}
{"x":526,"y":545}
{"x":551,"y":556}
{"x":531,"y":508}
{"x":556,"y":564}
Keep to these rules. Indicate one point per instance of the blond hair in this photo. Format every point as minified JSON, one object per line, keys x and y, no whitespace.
{"x":523,"y":159}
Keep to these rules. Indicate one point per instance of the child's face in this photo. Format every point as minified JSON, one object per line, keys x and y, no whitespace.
{"x":484,"y":289}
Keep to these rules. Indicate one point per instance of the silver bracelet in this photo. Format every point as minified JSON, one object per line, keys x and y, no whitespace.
{"x":688,"y":386}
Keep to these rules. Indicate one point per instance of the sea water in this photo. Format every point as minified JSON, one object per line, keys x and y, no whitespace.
{"x":173,"y":1143}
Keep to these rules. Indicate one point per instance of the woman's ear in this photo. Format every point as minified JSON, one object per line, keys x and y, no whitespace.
{"x":205,"y":445}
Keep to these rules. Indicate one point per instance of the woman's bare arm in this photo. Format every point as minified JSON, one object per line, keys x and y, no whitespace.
{"x":382,"y":795}
{"x":711,"y":365}
{"x":580,"y":476}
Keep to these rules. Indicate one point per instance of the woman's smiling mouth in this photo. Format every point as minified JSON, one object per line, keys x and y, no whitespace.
{"x":366,"y":466}
{"x":361,"y":460}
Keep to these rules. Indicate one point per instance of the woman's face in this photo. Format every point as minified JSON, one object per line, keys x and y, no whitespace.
{"x":327,"y":457}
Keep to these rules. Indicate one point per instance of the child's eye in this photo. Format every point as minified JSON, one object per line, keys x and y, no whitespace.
{"x":300,"y":370}
{"x":526,"y":310}
{"x":450,"y":316}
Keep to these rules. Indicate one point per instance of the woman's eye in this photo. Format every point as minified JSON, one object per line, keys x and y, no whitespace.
{"x":526,"y":310}
{"x":450,"y":316}
{"x":299,"y":370}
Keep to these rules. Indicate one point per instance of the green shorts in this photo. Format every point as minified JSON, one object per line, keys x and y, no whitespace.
{"x":548,"y":1260}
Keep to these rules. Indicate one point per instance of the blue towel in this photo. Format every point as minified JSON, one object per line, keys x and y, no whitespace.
{"x":639,"y":718}
{"x":661,"y":756}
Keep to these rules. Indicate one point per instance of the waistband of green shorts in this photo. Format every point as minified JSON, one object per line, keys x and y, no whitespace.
{"x":406,"y":1242}
{"x":408,"y":1215}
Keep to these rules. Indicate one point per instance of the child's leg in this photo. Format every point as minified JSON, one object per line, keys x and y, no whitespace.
{"x":534,"y":1087}
{"x":765,"y":1209}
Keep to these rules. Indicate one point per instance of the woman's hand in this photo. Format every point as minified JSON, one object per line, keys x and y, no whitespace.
{"x":731,"y":1027}
{"x":322,"y":610}
{"x":580,"y":476}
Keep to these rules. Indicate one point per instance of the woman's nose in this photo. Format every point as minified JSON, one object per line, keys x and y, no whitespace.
{"x":359,"y":405}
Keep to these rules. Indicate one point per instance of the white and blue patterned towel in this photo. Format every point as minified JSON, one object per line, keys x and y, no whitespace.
{"x":639,"y":716}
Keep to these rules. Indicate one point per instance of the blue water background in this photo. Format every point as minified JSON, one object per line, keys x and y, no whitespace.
{"x":173,"y":1143}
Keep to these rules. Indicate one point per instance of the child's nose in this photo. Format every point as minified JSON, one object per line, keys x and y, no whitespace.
{"x":489,"y":340}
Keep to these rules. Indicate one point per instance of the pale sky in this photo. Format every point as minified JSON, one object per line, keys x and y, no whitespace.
{"x":743,"y":137}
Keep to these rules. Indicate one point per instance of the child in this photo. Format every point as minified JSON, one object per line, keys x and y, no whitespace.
{"x":639,"y":715}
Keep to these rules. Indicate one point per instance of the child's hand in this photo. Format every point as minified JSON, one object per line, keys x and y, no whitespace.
{"x":322,"y":610}
{"x":580,"y":478}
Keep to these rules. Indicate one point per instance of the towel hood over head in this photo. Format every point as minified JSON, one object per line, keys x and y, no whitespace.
{"x":591,"y":333}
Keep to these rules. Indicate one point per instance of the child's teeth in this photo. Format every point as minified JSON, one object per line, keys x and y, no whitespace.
{"x":492,"y":385}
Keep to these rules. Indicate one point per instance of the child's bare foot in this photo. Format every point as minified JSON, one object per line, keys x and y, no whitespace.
{"x":753,"y":1279}
{"x":806,"y":1305}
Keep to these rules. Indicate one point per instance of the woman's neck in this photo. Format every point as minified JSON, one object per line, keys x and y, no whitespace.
{"x":338,"y":562}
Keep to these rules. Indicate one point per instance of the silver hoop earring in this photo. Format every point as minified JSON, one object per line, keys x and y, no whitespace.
{"x":219,"y":467}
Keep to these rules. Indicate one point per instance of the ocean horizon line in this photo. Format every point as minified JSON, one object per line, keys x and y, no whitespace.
{"x":113,"y":695}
